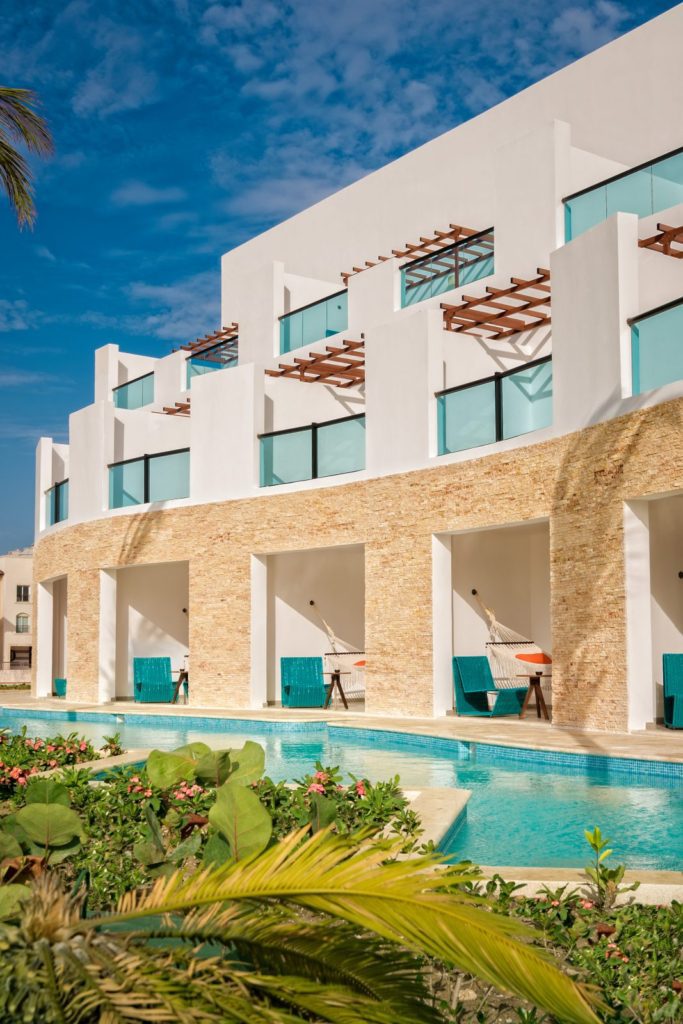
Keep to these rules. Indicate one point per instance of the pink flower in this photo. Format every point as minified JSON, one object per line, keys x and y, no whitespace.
{"x":22,"y":782}
{"x":360,"y":788}
{"x":587,"y":904}
{"x":321,"y":776}
{"x":50,"y":748}
{"x":625,"y":959}
{"x":315,"y":787}
{"x":148,"y":792}
{"x":134,"y":778}
{"x":554,"y":903}
{"x":53,"y":764}
{"x":84,"y":745}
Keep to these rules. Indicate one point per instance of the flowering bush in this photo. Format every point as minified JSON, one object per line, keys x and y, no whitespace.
{"x":22,"y":756}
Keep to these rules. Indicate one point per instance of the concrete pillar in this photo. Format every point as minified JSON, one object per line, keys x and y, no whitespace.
{"x":259,"y":631}
{"x":442,"y":618}
{"x":107,"y":651}
{"x":641,"y":689}
{"x":42,"y":651}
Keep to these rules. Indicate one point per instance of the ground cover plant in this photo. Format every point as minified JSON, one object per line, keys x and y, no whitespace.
{"x":22,"y":756}
{"x":194,"y":888}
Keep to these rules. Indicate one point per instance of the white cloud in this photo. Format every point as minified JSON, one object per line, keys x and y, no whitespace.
{"x":124,"y":78}
{"x":15,"y":315}
{"x":45,"y":254}
{"x":180,"y":311}
{"x":138,"y":193}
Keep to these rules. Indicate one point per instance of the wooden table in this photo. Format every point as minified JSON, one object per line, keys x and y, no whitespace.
{"x":183,"y":677}
{"x":535,"y":681}
{"x":336,"y":675}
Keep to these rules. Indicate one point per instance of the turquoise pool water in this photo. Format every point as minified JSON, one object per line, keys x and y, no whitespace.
{"x":527,"y":807}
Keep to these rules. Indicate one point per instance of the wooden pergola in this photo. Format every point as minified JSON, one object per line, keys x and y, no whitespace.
{"x":427,"y":246}
{"x":342,"y":366}
{"x":668,"y":241}
{"x":179,"y":409}
{"x":219,"y":347}
{"x":526,"y":305}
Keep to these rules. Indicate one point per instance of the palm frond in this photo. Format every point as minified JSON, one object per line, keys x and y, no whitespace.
{"x":398,"y":901}
{"x":20,"y":124}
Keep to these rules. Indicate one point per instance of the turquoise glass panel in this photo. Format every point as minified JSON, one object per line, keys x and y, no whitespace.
{"x":136,"y":394}
{"x":315,"y":322}
{"x":631,"y":194}
{"x":50,"y":507}
{"x":667,"y":182}
{"x":198,"y":367}
{"x":286,"y":458}
{"x":341,"y":447}
{"x":527,"y":398}
{"x":64,"y":501}
{"x":449,"y":268}
{"x":127,"y":484}
{"x":467,"y":418}
{"x":585,"y":212}
{"x":644,"y":191}
{"x":657,"y":350}
{"x":169,"y":476}
{"x":57,"y":503}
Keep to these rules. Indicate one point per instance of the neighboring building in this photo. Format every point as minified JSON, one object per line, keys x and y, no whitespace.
{"x":396,"y":420}
{"x":16,"y":616}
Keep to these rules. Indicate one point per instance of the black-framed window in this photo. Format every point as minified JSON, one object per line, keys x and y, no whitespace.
{"x":495,"y":408}
{"x":315,"y":450}
{"x":161,"y":477}
{"x":57,"y":503}
{"x":23,"y":592}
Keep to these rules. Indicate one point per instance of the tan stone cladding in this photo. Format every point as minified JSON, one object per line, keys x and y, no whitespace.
{"x":579,"y":482}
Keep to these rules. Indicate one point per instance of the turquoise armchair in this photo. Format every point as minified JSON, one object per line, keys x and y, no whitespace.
{"x":152,"y":681}
{"x":472,"y":680}
{"x":673,"y":690}
{"x":303,"y":685}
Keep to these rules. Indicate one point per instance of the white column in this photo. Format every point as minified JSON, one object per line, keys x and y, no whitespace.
{"x":442,"y":623}
{"x":42,"y":652}
{"x":106,"y":690}
{"x":641,"y":687}
{"x":259,"y":631}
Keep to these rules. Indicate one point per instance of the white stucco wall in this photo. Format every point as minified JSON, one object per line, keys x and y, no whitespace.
{"x":150,"y":622}
{"x":335,"y":579}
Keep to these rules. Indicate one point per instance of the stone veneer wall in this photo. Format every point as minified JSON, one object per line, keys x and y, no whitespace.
{"x":579,"y":482}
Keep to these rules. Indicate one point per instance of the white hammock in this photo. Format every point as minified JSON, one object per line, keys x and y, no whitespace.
{"x":512,"y":656}
{"x":350,"y":663}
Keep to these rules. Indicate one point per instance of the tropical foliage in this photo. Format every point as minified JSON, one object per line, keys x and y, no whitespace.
{"x":23,"y":756}
{"x":20,"y":126}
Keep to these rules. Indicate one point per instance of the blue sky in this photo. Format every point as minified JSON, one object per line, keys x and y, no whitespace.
{"x":184,"y":127}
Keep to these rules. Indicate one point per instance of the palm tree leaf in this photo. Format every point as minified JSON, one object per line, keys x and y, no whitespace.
{"x":399,"y":901}
{"x":21,"y":122}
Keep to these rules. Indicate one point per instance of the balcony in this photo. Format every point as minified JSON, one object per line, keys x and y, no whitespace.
{"x":57,"y":503}
{"x":455,"y":266}
{"x":495,"y":408}
{"x":149,"y":478}
{"x":657,"y":347}
{"x":315,"y":321}
{"x":135,"y":393}
{"x":644,"y":190}
{"x":210,"y":357}
{"x":317,"y":450}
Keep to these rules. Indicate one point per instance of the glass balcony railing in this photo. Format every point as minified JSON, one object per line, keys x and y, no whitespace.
{"x":57,"y":503}
{"x":317,"y":450}
{"x":311,"y":323}
{"x":453,"y":267}
{"x":150,"y":478}
{"x":495,"y":408}
{"x":135,"y":393}
{"x":657,"y":347}
{"x":644,"y":190}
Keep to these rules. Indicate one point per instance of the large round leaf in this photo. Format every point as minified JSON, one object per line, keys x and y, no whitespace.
{"x":248,"y":763}
{"x":215,"y":767}
{"x":47,"y":791}
{"x":168,"y":768}
{"x":9,"y":846}
{"x":49,"y":824}
{"x":241,"y":818}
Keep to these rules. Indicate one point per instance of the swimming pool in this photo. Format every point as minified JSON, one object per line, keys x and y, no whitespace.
{"x":528,"y":807}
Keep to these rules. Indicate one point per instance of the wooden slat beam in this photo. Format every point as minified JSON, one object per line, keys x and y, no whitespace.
{"x":485,"y":316}
{"x":339,"y":365}
{"x":668,"y":241}
{"x":427,"y":246}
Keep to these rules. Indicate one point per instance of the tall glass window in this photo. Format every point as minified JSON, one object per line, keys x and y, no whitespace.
{"x":505,"y":405}
{"x":321,"y":449}
{"x":57,"y":503}
{"x":657,"y":348}
{"x":644,"y":190}
{"x":452,"y":267}
{"x":151,"y":478}
{"x":313,"y":322}
{"x":136,"y":393}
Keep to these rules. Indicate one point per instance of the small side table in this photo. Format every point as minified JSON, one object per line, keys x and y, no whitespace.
{"x":535,"y":688}
{"x":335,"y":676}
{"x":183,"y":677}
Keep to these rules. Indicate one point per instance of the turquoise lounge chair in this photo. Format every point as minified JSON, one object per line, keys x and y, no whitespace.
{"x":303,"y":685}
{"x":673,"y":690}
{"x":472,"y":680}
{"x":152,"y":681}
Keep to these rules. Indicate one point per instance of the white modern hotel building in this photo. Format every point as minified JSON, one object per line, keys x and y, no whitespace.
{"x":463,"y":371}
